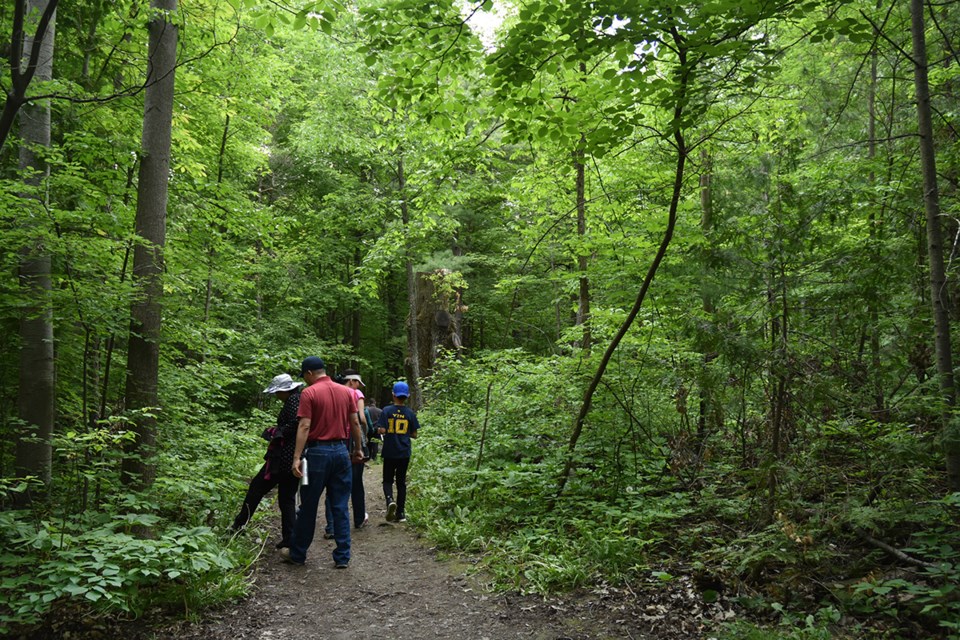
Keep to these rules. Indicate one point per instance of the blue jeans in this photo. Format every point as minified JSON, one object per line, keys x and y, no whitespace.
{"x":328,"y":467}
{"x":358,"y":501}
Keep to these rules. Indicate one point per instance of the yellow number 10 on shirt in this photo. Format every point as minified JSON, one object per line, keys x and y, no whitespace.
{"x":398,"y":425}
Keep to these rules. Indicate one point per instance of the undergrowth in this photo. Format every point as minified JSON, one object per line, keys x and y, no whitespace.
{"x":107,"y":552}
{"x":805,"y":562}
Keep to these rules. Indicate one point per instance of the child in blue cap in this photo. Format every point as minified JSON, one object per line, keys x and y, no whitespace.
{"x":397,"y":425}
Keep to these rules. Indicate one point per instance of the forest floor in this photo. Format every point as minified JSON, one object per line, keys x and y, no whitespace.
{"x":398,"y":587}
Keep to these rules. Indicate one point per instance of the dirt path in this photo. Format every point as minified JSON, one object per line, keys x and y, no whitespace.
{"x":396,"y":588}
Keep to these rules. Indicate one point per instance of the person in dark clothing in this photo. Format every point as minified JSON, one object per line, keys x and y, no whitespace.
{"x":397,"y":424}
{"x":277,"y":468}
{"x":373,"y":438}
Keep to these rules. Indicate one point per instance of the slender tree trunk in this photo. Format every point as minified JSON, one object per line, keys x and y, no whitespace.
{"x":681,"y":161}
{"x":583,"y":302}
{"x":778,"y":381}
{"x":37,"y":397}
{"x":143,"y":356}
{"x":413,"y":340}
{"x":355,"y":307}
{"x":221,"y":228}
{"x":938,"y":278}
{"x":112,"y":339}
{"x":707,"y":343}
{"x":777,"y":368}
{"x":873,"y":294}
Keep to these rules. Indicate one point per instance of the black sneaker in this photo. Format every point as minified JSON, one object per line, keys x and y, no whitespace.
{"x":340,"y":565}
{"x":391,"y":512}
{"x":401,"y":517}
{"x":328,"y":535}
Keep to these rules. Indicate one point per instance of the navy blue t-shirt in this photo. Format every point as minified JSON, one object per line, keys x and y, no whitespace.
{"x":400,"y":423}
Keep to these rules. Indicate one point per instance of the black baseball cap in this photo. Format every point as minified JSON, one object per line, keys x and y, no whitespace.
{"x":312,"y":363}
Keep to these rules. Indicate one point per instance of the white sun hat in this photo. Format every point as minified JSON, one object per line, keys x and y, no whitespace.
{"x":282,"y":382}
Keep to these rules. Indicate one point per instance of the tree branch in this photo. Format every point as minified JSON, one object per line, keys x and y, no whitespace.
{"x":893,"y":551}
{"x":19,"y":77}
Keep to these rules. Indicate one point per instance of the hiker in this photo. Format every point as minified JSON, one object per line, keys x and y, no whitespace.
{"x":397,"y":425}
{"x":351,"y":379}
{"x":328,"y":419}
{"x":276,"y":471}
{"x":373,"y":438}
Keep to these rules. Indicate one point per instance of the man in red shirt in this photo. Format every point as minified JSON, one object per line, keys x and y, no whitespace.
{"x":328,"y":420}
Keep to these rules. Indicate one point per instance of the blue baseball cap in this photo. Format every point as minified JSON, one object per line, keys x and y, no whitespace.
{"x":401,"y":390}
{"x":313,"y":363}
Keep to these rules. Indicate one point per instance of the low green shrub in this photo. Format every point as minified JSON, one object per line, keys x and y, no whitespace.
{"x":112,"y":565}
{"x":110,"y":550}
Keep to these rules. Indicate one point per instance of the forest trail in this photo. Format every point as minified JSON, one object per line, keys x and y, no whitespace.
{"x":397,"y":588}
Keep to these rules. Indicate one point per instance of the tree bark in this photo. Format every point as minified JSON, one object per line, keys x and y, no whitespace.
{"x":873,"y":294}
{"x":426,"y":334}
{"x":707,"y":343}
{"x":143,"y":356}
{"x":37,"y":373}
{"x":583,"y":301}
{"x":938,"y":278}
{"x":412,"y":363}
{"x":438,"y":328}
{"x":355,"y":307}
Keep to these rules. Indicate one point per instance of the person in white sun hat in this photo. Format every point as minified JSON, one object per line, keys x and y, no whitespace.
{"x":278,"y":460}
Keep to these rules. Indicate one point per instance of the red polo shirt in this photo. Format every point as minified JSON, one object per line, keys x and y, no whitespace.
{"x":328,"y":405}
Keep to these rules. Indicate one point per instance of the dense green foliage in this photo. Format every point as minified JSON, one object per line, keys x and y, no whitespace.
{"x":769,"y":422}
{"x":644,"y":509}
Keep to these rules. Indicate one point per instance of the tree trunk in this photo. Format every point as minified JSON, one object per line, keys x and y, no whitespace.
{"x":873,"y":293}
{"x":681,"y":161}
{"x":143,"y":357}
{"x":355,"y":306}
{"x":438,"y":328}
{"x":426,"y":334}
{"x":583,"y":301}
{"x":777,"y":373}
{"x":931,"y":205}
{"x":412,"y":362}
{"x":707,"y":343}
{"x":778,"y":380}
{"x":37,"y":379}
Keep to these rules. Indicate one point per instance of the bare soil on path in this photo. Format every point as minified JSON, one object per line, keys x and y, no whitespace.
{"x":396,"y":587}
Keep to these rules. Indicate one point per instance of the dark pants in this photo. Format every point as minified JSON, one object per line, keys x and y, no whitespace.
{"x":287,"y":486}
{"x":395,"y":468}
{"x":328,"y":468}
{"x":358,"y":500}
